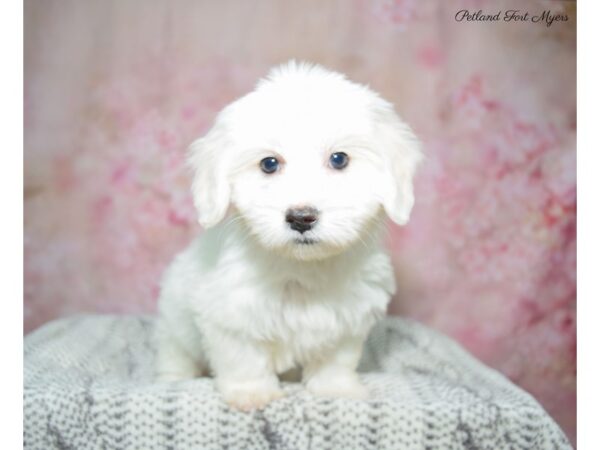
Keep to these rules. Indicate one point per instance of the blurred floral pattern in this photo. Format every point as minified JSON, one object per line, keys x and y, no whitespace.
{"x":116,"y":90}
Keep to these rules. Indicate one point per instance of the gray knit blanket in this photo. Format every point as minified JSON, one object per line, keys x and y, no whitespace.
{"x":89,"y":385}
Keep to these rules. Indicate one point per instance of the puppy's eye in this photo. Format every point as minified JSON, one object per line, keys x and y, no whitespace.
{"x":269,"y":164}
{"x":338,"y":160}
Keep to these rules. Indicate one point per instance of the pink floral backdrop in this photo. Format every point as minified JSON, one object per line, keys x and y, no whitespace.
{"x":116,"y":90}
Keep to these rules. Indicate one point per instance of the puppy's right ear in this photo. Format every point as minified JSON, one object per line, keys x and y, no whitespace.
{"x":208,"y":158}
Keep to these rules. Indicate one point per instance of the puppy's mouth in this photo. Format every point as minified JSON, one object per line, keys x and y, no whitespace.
{"x":305,"y":241}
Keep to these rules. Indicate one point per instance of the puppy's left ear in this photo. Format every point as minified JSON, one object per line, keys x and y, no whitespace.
{"x":402,"y":152}
{"x":208,"y":157}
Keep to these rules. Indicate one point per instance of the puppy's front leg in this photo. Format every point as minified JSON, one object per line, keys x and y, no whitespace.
{"x":333,"y":374}
{"x":243,"y":371}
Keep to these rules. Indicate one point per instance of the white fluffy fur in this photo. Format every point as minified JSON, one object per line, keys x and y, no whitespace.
{"x":246,"y":300}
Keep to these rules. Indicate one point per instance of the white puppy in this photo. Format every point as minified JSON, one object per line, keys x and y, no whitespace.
{"x":304,"y":168}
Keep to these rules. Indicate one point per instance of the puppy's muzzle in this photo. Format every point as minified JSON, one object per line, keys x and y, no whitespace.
{"x":302,"y":219}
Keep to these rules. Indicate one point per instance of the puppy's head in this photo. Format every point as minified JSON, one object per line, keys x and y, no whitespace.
{"x":309,"y":160}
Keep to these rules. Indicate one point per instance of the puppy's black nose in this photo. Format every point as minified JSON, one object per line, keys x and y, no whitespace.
{"x":302,"y":219}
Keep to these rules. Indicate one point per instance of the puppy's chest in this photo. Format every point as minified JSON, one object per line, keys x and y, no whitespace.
{"x":293,"y":291}
{"x":302,"y":313}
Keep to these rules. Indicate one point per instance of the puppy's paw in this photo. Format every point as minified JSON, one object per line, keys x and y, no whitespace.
{"x":346,"y":386}
{"x":250,"y":395}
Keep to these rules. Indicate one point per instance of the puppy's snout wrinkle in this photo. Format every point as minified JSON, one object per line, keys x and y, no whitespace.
{"x":302,"y":219}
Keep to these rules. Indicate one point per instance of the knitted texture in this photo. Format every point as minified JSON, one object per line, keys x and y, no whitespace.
{"x":89,"y":385}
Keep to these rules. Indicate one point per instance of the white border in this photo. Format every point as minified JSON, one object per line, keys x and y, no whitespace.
{"x":588,"y":223}
{"x":11,"y":237}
